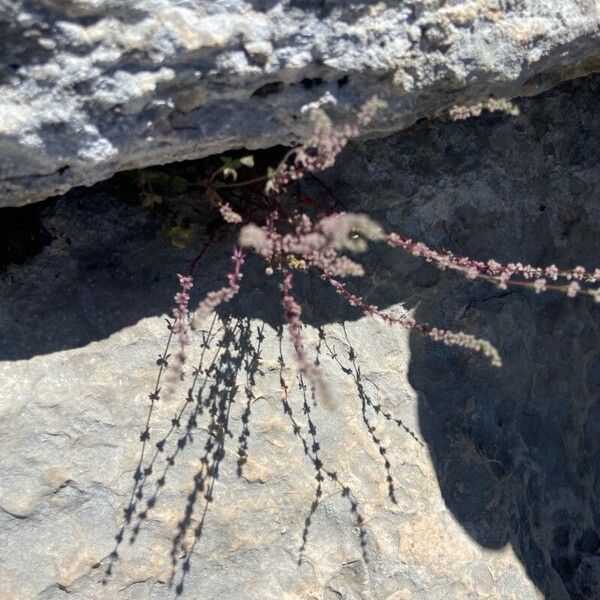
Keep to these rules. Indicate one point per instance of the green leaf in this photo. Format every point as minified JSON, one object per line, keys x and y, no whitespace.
{"x":247,"y":161}
{"x":179,"y":236}
{"x":229,"y":172}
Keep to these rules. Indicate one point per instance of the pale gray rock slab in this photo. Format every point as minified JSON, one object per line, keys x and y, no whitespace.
{"x":495,"y":498}
{"x":91,"y":88}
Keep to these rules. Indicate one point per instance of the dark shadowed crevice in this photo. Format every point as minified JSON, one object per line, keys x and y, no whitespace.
{"x":22,"y":234}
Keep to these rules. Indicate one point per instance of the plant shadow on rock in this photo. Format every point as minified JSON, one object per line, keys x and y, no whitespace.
{"x":230,"y":358}
{"x":205,"y":409}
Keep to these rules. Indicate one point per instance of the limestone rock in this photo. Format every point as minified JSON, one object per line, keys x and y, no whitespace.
{"x":91,"y":88}
{"x":433,"y":475}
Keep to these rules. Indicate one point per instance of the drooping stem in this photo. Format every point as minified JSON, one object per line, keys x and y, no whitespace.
{"x":224,"y":294}
{"x":450,"y":338}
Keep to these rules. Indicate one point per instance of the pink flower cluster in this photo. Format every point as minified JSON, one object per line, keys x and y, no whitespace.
{"x":317,"y":244}
{"x":224,"y":294}
{"x":504,"y":275}
{"x":450,"y":338}
{"x":319,"y":154}
{"x":229,"y":214}
{"x":312,"y":244}
{"x":180,"y":326}
{"x":321,"y":151}
{"x":292,"y":313}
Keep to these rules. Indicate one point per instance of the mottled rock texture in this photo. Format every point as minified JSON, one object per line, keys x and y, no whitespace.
{"x":271,"y":496}
{"x":90,"y":88}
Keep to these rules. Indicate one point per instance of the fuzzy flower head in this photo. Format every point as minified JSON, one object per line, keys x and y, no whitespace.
{"x":573,"y":289}
{"x":347,"y":231}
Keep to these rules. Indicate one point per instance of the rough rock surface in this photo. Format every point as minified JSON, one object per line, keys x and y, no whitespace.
{"x":494,"y":497}
{"x":90,"y":88}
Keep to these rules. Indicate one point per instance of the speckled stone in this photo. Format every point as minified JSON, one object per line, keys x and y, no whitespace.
{"x":91,"y":88}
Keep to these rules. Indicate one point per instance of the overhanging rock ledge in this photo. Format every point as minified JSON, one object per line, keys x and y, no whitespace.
{"x":91,"y":88}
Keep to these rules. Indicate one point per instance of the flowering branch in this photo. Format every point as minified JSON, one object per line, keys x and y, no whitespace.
{"x":292,"y":312}
{"x":180,"y":325}
{"x":225,"y":294}
{"x":289,"y":241}
{"x":450,"y":338}
{"x":536,"y":278}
